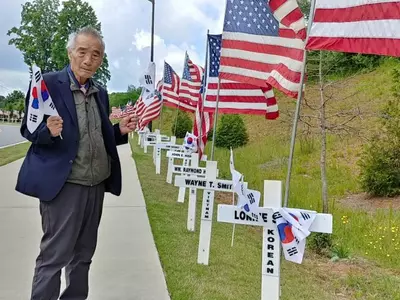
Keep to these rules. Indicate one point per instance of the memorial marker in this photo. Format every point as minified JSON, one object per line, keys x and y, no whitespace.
{"x":194,"y":162}
{"x":172,"y":155}
{"x":270,"y":270}
{"x":209,"y":184}
{"x":150,"y":139}
{"x":157,"y":150}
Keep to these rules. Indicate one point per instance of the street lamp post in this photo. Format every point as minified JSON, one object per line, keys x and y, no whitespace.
{"x":153,"y":4}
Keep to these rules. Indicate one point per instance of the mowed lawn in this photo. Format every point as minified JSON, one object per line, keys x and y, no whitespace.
{"x":10,"y":154}
{"x":368,"y":240}
{"x":235,"y":272}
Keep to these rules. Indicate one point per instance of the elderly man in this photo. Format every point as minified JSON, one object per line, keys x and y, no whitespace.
{"x":70,"y":173}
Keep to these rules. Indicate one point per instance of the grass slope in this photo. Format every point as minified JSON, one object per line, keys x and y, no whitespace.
{"x":10,"y":154}
{"x":371,"y":237}
{"x":234,"y":273}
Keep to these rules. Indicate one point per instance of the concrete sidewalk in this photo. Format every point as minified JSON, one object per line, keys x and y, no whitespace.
{"x":126,"y":265}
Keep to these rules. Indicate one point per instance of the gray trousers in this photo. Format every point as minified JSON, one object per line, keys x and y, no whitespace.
{"x":70,"y":225}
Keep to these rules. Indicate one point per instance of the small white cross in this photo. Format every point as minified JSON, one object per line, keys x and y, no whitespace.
{"x":270,"y":270}
{"x":162,"y":145}
{"x":209,"y":184}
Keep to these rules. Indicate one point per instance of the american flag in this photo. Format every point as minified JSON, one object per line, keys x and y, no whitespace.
{"x":263,"y":44}
{"x":115,"y":112}
{"x":357,"y":26}
{"x":140,"y":106}
{"x":152,"y":111}
{"x":130,"y":108}
{"x":170,"y":90}
{"x":202,"y":123}
{"x":190,"y":82}
{"x":235,"y":97}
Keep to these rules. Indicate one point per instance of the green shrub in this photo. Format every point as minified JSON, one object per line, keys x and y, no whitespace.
{"x":231,"y":132}
{"x":210,"y":135}
{"x":182,"y":124}
{"x":320,"y":243}
{"x":380,"y":162}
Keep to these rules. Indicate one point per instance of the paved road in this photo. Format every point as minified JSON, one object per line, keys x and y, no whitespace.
{"x":9,"y":134}
{"x":126,"y":265}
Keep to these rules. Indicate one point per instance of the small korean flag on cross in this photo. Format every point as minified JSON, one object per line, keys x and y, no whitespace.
{"x":293,"y":227}
{"x":190,"y":143}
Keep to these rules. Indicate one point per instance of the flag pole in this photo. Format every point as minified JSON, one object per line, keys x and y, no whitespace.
{"x":298,"y":106}
{"x":204,"y":93}
{"x":215,"y":119}
{"x":153,"y":8}
{"x":179,"y":101}
{"x":161,"y":98}
{"x":161,"y":112}
{"x":176,"y":116}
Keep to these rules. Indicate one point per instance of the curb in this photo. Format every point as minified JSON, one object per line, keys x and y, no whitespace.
{"x":3,"y":147}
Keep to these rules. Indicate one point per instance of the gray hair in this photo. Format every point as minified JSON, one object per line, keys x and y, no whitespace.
{"x":88,"y":30}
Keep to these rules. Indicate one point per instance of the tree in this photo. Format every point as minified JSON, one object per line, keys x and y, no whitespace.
{"x":35,"y":36}
{"x":231,"y":133}
{"x":132,"y":88}
{"x":305,"y":7}
{"x":20,"y":107}
{"x":44,"y":30}
{"x":74,"y":15}
{"x":329,"y":113}
{"x":120,"y":99}
{"x":14,"y":97}
{"x":15,"y":101}
{"x":10,"y":108}
{"x":2,"y":101}
{"x":380,"y":162}
{"x":183,"y":124}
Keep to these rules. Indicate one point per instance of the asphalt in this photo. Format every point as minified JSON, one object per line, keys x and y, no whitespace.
{"x":126,"y":265}
{"x":9,"y":135}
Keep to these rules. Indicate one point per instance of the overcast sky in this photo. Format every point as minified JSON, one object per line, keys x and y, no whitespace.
{"x":181,"y":25}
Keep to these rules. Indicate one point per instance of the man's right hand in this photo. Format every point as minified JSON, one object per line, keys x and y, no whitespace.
{"x":54,"y":123}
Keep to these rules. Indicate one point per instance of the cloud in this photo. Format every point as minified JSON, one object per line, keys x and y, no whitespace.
{"x":181,"y":25}
{"x":13,"y":80}
{"x":171,"y":53}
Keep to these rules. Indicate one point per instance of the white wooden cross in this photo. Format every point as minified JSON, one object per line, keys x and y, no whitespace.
{"x":190,"y":169}
{"x":209,"y":184}
{"x":172,"y":155}
{"x":141,"y":134}
{"x":146,"y":134}
{"x":157,"y":150}
{"x":150,"y":139}
{"x":270,"y":270}
{"x":186,"y":157}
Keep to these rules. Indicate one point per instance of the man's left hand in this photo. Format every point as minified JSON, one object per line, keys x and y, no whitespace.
{"x":128,"y":124}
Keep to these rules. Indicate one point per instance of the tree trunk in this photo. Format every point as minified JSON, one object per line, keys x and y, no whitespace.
{"x":325,"y":204}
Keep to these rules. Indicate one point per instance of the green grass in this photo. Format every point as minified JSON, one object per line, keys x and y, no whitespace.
{"x":10,"y":123}
{"x":235,"y":273}
{"x":371,"y":239}
{"x":10,"y":154}
{"x":375,"y":235}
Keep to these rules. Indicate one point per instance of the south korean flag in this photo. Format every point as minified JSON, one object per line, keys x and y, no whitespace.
{"x":249,"y":200}
{"x":190,"y":143}
{"x":293,"y":227}
{"x":148,"y":78}
{"x":40,"y":102}
{"x":236,"y":176}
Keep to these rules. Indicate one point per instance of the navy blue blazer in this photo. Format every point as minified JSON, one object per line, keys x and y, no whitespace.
{"x":48,"y":162}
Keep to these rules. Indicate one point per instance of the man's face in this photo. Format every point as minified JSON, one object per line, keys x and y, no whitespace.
{"x":86,"y":57}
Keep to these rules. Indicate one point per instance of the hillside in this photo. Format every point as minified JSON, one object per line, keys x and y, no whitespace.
{"x":265,"y":157}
